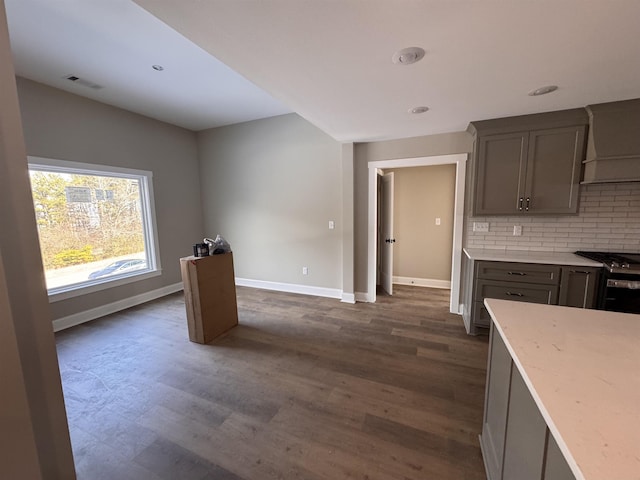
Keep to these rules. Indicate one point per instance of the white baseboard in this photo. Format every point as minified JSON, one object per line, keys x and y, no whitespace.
{"x":362,"y":297}
{"x":101,"y":311}
{"x":422,"y":282}
{"x":348,"y":297}
{"x":290,"y":288}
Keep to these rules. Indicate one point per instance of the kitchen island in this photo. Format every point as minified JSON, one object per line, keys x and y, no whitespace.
{"x":563,"y":394}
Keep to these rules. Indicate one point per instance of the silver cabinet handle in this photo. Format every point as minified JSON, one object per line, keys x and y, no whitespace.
{"x":528,"y":202}
{"x":520,"y":201}
{"x":516,"y":294}
{"x":521,"y":274}
{"x":581,"y":271}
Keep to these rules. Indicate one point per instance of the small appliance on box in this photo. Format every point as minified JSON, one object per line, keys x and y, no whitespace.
{"x":201,"y":250}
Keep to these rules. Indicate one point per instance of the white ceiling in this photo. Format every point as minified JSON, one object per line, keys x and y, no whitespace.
{"x":330,"y":60}
{"x":114,"y":43}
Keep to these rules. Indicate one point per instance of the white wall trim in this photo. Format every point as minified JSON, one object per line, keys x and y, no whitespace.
{"x":101,"y":311}
{"x":362,"y":297}
{"x":459,"y":159}
{"x":290,"y":288}
{"x":422,"y":282}
{"x":348,"y":297}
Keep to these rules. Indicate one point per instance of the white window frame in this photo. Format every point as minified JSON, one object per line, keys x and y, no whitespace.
{"x":145,"y":179}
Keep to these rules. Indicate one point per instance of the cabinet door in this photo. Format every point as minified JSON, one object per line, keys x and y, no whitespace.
{"x":496,"y":405}
{"x":556,"y":467}
{"x":578,"y":287}
{"x":554,"y":163}
{"x":525,"y":436}
{"x":499,"y":173}
{"x":519,"y":272}
{"x":518,"y":292}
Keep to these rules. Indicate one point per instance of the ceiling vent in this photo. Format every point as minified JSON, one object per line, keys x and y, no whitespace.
{"x":85,"y":83}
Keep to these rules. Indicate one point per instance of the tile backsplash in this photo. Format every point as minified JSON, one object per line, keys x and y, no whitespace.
{"x":608,"y":220}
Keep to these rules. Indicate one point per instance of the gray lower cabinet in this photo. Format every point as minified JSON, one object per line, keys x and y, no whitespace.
{"x":524,"y":282}
{"x":578,"y":286}
{"x":526,"y":434}
{"x":555,"y":466}
{"x":496,"y":405}
{"x":516,"y":443}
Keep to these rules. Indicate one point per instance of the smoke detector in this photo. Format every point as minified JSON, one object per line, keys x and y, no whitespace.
{"x":407,"y":56}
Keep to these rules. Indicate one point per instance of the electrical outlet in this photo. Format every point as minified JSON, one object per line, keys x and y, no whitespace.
{"x":305,"y":270}
{"x":480,"y":226}
{"x":438,"y":221}
{"x":517,"y":230}
{"x":332,"y":224}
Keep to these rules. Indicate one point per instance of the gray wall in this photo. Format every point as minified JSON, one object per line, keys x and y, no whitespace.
{"x":34,"y":439}
{"x":422,"y":194}
{"x":270,"y":188}
{"x":431,"y":145}
{"x":68,"y":127}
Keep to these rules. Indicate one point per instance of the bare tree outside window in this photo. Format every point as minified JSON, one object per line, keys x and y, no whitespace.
{"x":91,"y":225}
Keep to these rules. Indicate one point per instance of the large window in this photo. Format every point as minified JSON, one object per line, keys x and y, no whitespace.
{"x":95,"y":224}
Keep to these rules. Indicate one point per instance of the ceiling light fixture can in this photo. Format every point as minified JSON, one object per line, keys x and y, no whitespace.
{"x":416,"y":110}
{"x":157,"y":68}
{"x":543,"y":90}
{"x":407,"y":56}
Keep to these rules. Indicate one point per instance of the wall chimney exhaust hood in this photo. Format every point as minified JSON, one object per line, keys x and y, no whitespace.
{"x":613,"y":146}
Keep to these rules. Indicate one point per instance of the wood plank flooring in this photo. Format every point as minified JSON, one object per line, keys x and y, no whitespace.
{"x":304,"y":388}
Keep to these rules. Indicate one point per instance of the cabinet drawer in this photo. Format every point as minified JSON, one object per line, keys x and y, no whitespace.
{"x":481,"y":317}
{"x":520,"y":272}
{"x":520,"y":292}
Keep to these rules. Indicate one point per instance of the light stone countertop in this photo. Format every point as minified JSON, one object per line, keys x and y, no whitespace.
{"x":523,"y":256}
{"x":582,"y":368}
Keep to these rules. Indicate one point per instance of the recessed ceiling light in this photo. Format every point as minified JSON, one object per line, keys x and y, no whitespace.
{"x":407,"y":56}
{"x":543,"y":90}
{"x":417,"y":110}
{"x":157,"y":68}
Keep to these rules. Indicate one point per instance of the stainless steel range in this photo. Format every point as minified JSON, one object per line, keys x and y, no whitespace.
{"x":620,"y":285}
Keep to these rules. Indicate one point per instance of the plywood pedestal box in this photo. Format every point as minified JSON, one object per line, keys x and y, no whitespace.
{"x":209,"y":295}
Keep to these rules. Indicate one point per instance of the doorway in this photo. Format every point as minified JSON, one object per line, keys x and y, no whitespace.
{"x":459,"y":160}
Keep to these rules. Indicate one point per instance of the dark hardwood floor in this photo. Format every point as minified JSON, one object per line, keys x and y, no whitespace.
{"x":304,"y":388}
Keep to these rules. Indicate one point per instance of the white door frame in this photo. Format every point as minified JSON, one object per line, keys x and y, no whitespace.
{"x":460,"y":160}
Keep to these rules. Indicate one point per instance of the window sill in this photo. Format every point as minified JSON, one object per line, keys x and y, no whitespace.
{"x":63,"y":293}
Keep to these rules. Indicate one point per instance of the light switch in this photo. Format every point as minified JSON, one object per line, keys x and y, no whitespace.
{"x":305,"y":270}
{"x":438,"y":221}
{"x":332,"y":224}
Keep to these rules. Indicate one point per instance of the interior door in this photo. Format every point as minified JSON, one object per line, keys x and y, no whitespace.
{"x":386,"y":257}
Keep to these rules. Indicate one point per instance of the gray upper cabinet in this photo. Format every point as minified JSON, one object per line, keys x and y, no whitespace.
{"x":499,"y":172}
{"x":528,"y":165}
{"x":553,"y":170}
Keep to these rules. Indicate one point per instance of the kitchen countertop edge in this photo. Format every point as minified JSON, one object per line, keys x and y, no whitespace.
{"x":526,"y":256}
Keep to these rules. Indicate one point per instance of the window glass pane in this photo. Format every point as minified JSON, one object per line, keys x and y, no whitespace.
{"x":92,"y":227}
